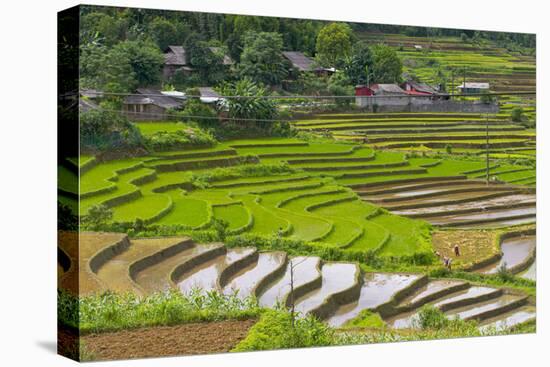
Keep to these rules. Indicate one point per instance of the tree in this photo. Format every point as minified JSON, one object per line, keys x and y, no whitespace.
{"x":163,"y":32}
{"x":333,"y":44}
{"x":387,"y":66}
{"x":253,"y":106}
{"x":340,"y":85}
{"x":144,"y":57}
{"x":207,"y":61}
{"x":110,"y":29}
{"x":261,"y":59}
{"x":357,"y":66}
{"x":121,"y":68}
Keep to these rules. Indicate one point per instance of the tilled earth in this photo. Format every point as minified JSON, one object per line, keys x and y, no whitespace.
{"x":197,"y":338}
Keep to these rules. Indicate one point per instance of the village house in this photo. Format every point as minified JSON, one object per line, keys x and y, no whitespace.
{"x":304,"y":63}
{"x":177,"y":59}
{"x":419,"y":89}
{"x":473,"y":88}
{"x":152,"y":104}
{"x":413,"y":97}
{"x":209,"y":95}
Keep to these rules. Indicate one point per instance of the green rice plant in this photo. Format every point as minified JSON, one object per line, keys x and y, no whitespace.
{"x":281,"y":330}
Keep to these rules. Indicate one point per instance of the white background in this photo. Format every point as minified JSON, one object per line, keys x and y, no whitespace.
{"x":28,"y":180}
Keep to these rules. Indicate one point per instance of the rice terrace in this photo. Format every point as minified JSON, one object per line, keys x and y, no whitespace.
{"x":367,"y":193}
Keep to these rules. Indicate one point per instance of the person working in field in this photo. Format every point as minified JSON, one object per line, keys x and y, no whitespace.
{"x":447,"y":262}
{"x":457,"y":250}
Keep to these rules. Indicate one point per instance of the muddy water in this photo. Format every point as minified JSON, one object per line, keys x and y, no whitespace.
{"x":377,"y":289}
{"x":336,"y":278}
{"x":206,"y":276}
{"x":245,"y":282}
{"x":508,"y":200}
{"x":473,"y":310}
{"x":510,"y":319}
{"x":429,"y":289}
{"x":515,"y":250}
{"x":471,"y":196}
{"x":157,"y":277}
{"x":471,"y":292}
{"x":502,"y":223}
{"x":531,"y":273}
{"x":483,"y":215}
{"x":305,"y":271}
{"x":442,"y":189}
{"x":403,"y":186}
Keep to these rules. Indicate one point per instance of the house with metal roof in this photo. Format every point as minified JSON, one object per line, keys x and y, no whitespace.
{"x":176,"y":58}
{"x":470,"y":87}
{"x":151,"y":104}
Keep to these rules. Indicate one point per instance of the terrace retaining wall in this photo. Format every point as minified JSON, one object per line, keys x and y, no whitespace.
{"x":416,"y":104}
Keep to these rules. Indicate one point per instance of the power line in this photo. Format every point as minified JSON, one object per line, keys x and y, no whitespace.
{"x":193,"y":117}
{"x":100,"y":94}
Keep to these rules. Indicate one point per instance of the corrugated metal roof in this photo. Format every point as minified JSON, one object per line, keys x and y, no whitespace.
{"x":155,"y":97}
{"x":474,"y":85}
{"x":299,"y":60}
{"x":387,"y":88}
{"x":175,"y":55}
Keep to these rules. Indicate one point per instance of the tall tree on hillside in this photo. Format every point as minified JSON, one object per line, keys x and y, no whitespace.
{"x":359,"y":63}
{"x":261,"y":59}
{"x":387,"y":66}
{"x":333,"y":43}
{"x":144,"y":57}
{"x":121,"y":68}
{"x":163,"y":32}
{"x":110,"y":29}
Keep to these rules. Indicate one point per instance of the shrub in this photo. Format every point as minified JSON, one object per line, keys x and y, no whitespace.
{"x":98,"y":216}
{"x":104,"y":130}
{"x":517,"y":114}
{"x":195,"y":110}
{"x":186,"y":138}
{"x":276,"y":330}
{"x":448,"y":148}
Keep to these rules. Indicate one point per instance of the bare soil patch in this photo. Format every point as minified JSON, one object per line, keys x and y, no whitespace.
{"x":196,"y":338}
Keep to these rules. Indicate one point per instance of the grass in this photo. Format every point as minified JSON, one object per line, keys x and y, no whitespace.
{"x":112,"y":312}
{"x":236,"y":215}
{"x":150,"y":128}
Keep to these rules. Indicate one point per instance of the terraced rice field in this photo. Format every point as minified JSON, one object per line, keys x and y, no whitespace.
{"x":334,"y":291}
{"x":329,"y":195}
{"x":430,"y":131}
{"x":507,"y":71}
{"x":489,"y":306}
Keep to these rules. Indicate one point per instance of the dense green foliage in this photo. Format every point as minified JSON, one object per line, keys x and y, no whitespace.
{"x":387,"y":66}
{"x":252,"y":105}
{"x":186,"y":137}
{"x":333,"y":44}
{"x":105,"y":129}
{"x":280,"y":330}
{"x":261,"y":59}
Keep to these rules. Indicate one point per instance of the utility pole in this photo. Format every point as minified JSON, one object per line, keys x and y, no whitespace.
{"x":487,"y":149}
{"x":452,"y":82}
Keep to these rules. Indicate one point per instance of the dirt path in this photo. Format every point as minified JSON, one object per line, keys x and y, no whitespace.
{"x":198,"y":338}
